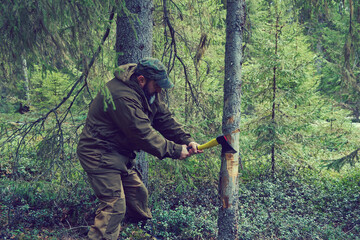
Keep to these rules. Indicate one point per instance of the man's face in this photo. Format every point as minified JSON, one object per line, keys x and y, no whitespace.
{"x":150,"y":89}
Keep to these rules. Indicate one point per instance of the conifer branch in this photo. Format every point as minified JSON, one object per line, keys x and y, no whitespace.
{"x":39,"y":124}
{"x":338,"y":164}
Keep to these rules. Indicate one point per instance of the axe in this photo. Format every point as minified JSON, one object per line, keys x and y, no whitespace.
{"x":226,"y":147}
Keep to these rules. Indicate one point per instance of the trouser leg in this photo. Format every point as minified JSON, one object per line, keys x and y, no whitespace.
{"x":136,"y":196}
{"x":109,"y":190}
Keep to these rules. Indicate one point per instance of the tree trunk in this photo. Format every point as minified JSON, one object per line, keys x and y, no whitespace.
{"x":228,"y":182}
{"x":356,"y":112}
{"x":134,"y":31}
{"x":357,"y":14}
{"x":142,"y":165}
{"x":351,"y":9}
{"x":134,"y":42}
{"x":274,"y":87}
{"x":26,"y":80}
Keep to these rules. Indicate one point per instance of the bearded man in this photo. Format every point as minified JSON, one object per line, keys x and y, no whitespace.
{"x":113,"y":134}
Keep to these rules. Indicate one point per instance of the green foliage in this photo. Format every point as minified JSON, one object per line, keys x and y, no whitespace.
{"x":48,"y":88}
{"x":287,"y":208}
{"x":185,"y":174}
{"x":184,"y":222}
{"x":338,"y":164}
{"x":45,"y":155}
{"x":43,"y":205}
{"x":26,"y":27}
{"x":9,"y":105}
{"x":315,"y":94}
{"x":294,"y":208}
{"x":202,"y":100}
{"x":337,"y":47}
{"x":279,"y":81}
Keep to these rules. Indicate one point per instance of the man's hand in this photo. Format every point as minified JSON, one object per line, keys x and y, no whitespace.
{"x":184,"y":152}
{"x":193,"y":149}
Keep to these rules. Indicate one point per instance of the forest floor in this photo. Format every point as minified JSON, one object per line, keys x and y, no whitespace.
{"x":286,"y":208}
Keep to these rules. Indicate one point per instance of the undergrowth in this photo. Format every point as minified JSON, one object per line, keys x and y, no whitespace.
{"x":296,"y":208}
{"x":283,"y":208}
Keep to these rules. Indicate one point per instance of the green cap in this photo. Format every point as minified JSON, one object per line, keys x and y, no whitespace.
{"x":153,"y":69}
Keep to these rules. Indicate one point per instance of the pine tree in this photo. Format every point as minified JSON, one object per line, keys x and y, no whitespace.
{"x":279,"y":81}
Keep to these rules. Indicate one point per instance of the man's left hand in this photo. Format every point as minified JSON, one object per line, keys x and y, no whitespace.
{"x":193,"y":149}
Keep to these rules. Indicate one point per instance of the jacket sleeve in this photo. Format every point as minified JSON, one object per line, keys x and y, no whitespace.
{"x":165,"y":123}
{"x":136,"y":126}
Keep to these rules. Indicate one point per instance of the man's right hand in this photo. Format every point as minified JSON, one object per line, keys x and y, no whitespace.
{"x":184,"y":152}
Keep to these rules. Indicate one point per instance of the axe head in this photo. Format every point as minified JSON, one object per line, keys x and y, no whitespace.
{"x":225,"y":145}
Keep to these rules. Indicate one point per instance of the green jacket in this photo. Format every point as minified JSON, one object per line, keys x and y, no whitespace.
{"x":110,"y":137}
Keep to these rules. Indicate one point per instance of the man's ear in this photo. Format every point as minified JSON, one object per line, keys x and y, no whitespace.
{"x":141,"y":80}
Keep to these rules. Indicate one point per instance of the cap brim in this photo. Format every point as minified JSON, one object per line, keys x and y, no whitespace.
{"x":165,"y":83}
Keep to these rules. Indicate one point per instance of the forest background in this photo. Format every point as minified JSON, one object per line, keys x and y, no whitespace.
{"x":299,"y":176}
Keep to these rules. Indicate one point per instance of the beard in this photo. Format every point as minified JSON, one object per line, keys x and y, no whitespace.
{"x":150,"y":97}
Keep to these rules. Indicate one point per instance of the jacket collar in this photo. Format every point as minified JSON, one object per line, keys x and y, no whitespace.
{"x":123,"y":73}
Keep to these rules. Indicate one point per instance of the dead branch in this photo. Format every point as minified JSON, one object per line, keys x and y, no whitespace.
{"x":172,"y":47}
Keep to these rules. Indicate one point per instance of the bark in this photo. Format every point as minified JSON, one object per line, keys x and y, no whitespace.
{"x":357,"y":14}
{"x":134,"y":42}
{"x":351,"y":9}
{"x":134,"y":31}
{"x":143,"y":167}
{"x":274,"y":87}
{"x":356,"y":112}
{"x":228,"y":182}
{"x":26,"y":80}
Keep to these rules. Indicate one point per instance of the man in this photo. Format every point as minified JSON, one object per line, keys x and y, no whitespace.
{"x":113,"y":134}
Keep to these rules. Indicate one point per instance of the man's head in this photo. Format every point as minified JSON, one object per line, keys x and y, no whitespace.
{"x":153,"y":69}
{"x":152,"y":77}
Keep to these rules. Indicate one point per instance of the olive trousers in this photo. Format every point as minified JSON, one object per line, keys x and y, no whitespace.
{"x":118,"y":194}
